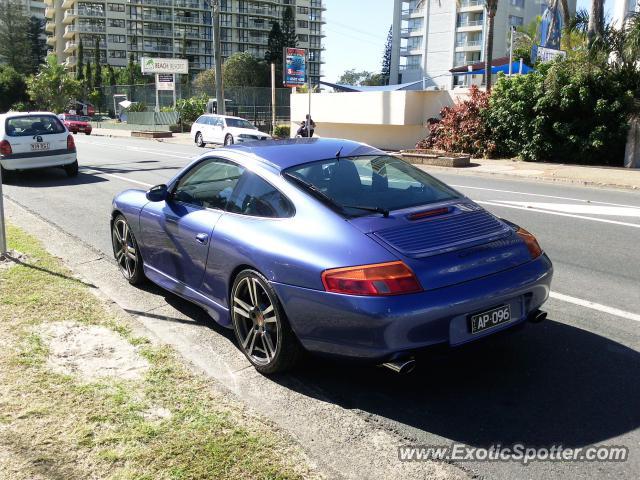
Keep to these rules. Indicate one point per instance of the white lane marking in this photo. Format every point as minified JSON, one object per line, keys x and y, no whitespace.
{"x":578,"y":208}
{"x":560,"y":214}
{"x":545,"y":196}
{"x":97,"y":172}
{"x":139,"y":149}
{"x":596,"y":306}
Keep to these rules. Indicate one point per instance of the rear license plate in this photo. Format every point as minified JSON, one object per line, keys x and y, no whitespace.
{"x":36,"y":147}
{"x":490,"y":318}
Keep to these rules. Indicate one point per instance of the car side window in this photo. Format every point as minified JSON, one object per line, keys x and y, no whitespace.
{"x":201,"y":119}
{"x":208,"y":184}
{"x":256,"y":197}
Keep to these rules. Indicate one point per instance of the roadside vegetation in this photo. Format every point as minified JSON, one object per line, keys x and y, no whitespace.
{"x":164,"y":422}
{"x":571,"y":110}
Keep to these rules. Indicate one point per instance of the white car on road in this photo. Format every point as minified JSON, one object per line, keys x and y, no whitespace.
{"x":225,"y":130}
{"x":30,"y":140}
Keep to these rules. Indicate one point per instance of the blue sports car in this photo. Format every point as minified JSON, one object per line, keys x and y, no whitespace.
{"x":331,"y":247}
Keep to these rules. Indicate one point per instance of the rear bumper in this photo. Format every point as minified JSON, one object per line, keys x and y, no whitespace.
{"x":380,"y":328}
{"x":29,"y":163}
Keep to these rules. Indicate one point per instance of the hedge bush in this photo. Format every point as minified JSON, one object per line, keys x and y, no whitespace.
{"x":282,"y":131}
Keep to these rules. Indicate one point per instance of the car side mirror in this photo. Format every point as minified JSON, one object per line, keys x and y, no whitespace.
{"x":158,"y":193}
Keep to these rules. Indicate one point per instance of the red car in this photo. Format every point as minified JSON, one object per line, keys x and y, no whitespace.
{"x":76,"y":124}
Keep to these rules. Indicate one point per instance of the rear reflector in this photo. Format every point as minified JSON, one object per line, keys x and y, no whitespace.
{"x":380,"y":279}
{"x":71,"y":144}
{"x":5,"y":148}
{"x":530,"y":241}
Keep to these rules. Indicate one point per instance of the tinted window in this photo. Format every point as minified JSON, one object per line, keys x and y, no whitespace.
{"x":374,"y":182}
{"x":256,"y":197}
{"x":239,"y":123}
{"x":208,"y":184}
{"x":33,"y":125}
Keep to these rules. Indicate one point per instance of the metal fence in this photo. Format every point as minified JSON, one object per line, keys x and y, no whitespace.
{"x":252,"y":103}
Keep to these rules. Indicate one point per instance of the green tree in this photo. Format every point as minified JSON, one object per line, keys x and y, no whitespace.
{"x":275,"y":51}
{"x":37,"y":44}
{"x":88,"y":77}
{"x":289,"y":37}
{"x":244,"y":70}
{"x":80,"y":61}
{"x":109,"y":76}
{"x":15,"y":48}
{"x":386,"y":57}
{"x":97,"y":75}
{"x":12,"y":88}
{"x":53,"y":87}
{"x":205,"y":81}
{"x":491,"y":6}
{"x":353,"y":77}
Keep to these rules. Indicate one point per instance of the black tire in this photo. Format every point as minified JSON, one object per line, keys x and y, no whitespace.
{"x":267,"y":321}
{"x":131,"y":268}
{"x":87,"y":133}
{"x":228,"y":140}
{"x":199,"y":140}
{"x":7,"y":176}
{"x":72,"y":169}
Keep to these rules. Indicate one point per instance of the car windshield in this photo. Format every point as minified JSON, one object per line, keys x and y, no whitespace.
{"x":373,"y":183}
{"x":239,"y":123}
{"x":30,"y":125}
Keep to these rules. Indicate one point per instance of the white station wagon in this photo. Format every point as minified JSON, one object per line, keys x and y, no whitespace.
{"x":30,"y":140}
{"x":224,"y":129}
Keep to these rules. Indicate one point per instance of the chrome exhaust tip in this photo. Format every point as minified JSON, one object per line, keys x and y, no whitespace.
{"x":401,"y":366}
{"x":537,"y":316}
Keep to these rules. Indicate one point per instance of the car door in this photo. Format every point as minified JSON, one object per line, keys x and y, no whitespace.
{"x":176,"y":233}
{"x":217,"y":129}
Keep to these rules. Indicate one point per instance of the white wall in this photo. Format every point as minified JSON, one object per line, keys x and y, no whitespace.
{"x":388,"y":120}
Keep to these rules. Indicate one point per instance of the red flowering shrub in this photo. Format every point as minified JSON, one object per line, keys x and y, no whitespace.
{"x":462,"y":128}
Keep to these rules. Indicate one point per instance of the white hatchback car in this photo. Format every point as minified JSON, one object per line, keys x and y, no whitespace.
{"x":30,"y":140}
{"x":225,"y":130}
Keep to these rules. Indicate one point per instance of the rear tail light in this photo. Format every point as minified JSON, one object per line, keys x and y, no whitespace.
{"x":5,"y":148}
{"x":530,"y":241}
{"x":71,"y":144}
{"x":380,"y":279}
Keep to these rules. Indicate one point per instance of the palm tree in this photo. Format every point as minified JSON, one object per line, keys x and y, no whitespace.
{"x":491,"y":6}
{"x":596,"y":21}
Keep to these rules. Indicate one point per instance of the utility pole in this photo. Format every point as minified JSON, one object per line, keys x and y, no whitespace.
{"x":511,"y":51}
{"x":217,"y":51}
{"x":273,"y":97}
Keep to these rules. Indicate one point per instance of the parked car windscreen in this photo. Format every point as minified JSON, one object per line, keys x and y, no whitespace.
{"x":33,"y":125}
{"x":377,"y":183}
{"x":239,"y":123}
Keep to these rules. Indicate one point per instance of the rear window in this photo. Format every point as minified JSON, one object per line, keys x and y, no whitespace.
{"x":358,"y":184}
{"x":31,"y":125}
{"x":71,"y":118}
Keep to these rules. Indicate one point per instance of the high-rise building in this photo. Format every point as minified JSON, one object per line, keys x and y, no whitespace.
{"x":622,"y":9}
{"x":177,"y":28}
{"x":430,"y":37}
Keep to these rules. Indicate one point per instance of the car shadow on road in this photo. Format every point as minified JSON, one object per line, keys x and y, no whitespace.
{"x":546,"y":384}
{"x":52,"y":177}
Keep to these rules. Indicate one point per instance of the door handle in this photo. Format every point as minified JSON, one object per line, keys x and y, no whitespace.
{"x":202,"y":238}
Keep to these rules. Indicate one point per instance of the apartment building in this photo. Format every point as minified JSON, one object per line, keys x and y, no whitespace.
{"x":176,"y":28}
{"x":430,"y":37}
{"x":622,"y":9}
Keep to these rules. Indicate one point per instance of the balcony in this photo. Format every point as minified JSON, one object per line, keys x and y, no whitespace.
{"x":470,"y":24}
{"x":404,"y":68}
{"x":89,"y":12}
{"x":469,"y":45}
{"x":50,"y":27}
{"x":70,"y":47}
{"x":160,"y":3}
{"x":260,"y":11}
{"x":48,"y":2}
{"x":191,"y":20}
{"x":410,"y":31}
{"x":69,"y":16}
{"x":89,"y":28}
{"x":68,"y":3}
{"x":412,"y":12}
{"x":51,"y":40}
{"x":49,"y":12}
{"x":471,"y":4}
{"x":150,"y":17}
{"x":154,"y":48}
{"x":70,"y":62}
{"x":194,"y":4}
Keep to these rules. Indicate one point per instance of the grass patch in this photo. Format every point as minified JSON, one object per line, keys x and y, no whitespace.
{"x":60,"y":426}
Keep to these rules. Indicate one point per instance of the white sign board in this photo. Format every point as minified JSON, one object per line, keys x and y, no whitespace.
{"x":165,"y":81}
{"x":164,"y":65}
{"x":545,"y":54}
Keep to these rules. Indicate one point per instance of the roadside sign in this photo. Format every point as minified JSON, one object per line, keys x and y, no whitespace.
{"x":544,"y":54}
{"x":294,"y":67}
{"x":164,"y":65}
{"x":165,"y":81}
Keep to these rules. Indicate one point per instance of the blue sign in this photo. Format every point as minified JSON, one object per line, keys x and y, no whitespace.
{"x":294,"y":67}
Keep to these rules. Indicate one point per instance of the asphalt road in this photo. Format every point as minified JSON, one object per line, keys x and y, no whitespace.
{"x":573,"y":380}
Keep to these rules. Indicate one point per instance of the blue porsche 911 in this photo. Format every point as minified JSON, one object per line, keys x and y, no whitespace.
{"x":331,"y":247}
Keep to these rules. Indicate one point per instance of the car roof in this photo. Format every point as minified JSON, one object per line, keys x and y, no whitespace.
{"x":222,"y":116}
{"x":283,"y":154}
{"x":25,"y":114}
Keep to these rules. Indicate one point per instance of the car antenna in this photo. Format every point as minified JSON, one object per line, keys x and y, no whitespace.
{"x":339,"y":152}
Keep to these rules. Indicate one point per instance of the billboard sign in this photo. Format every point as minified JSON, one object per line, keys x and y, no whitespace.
{"x":165,"y":81}
{"x":544,"y":54}
{"x":164,"y":65}
{"x":294,"y":67}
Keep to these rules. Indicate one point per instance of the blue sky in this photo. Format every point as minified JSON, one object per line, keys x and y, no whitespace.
{"x":360,"y":46}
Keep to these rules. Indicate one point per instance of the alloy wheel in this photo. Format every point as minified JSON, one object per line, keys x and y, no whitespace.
{"x":124,"y":248}
{"x":256,"y":320}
